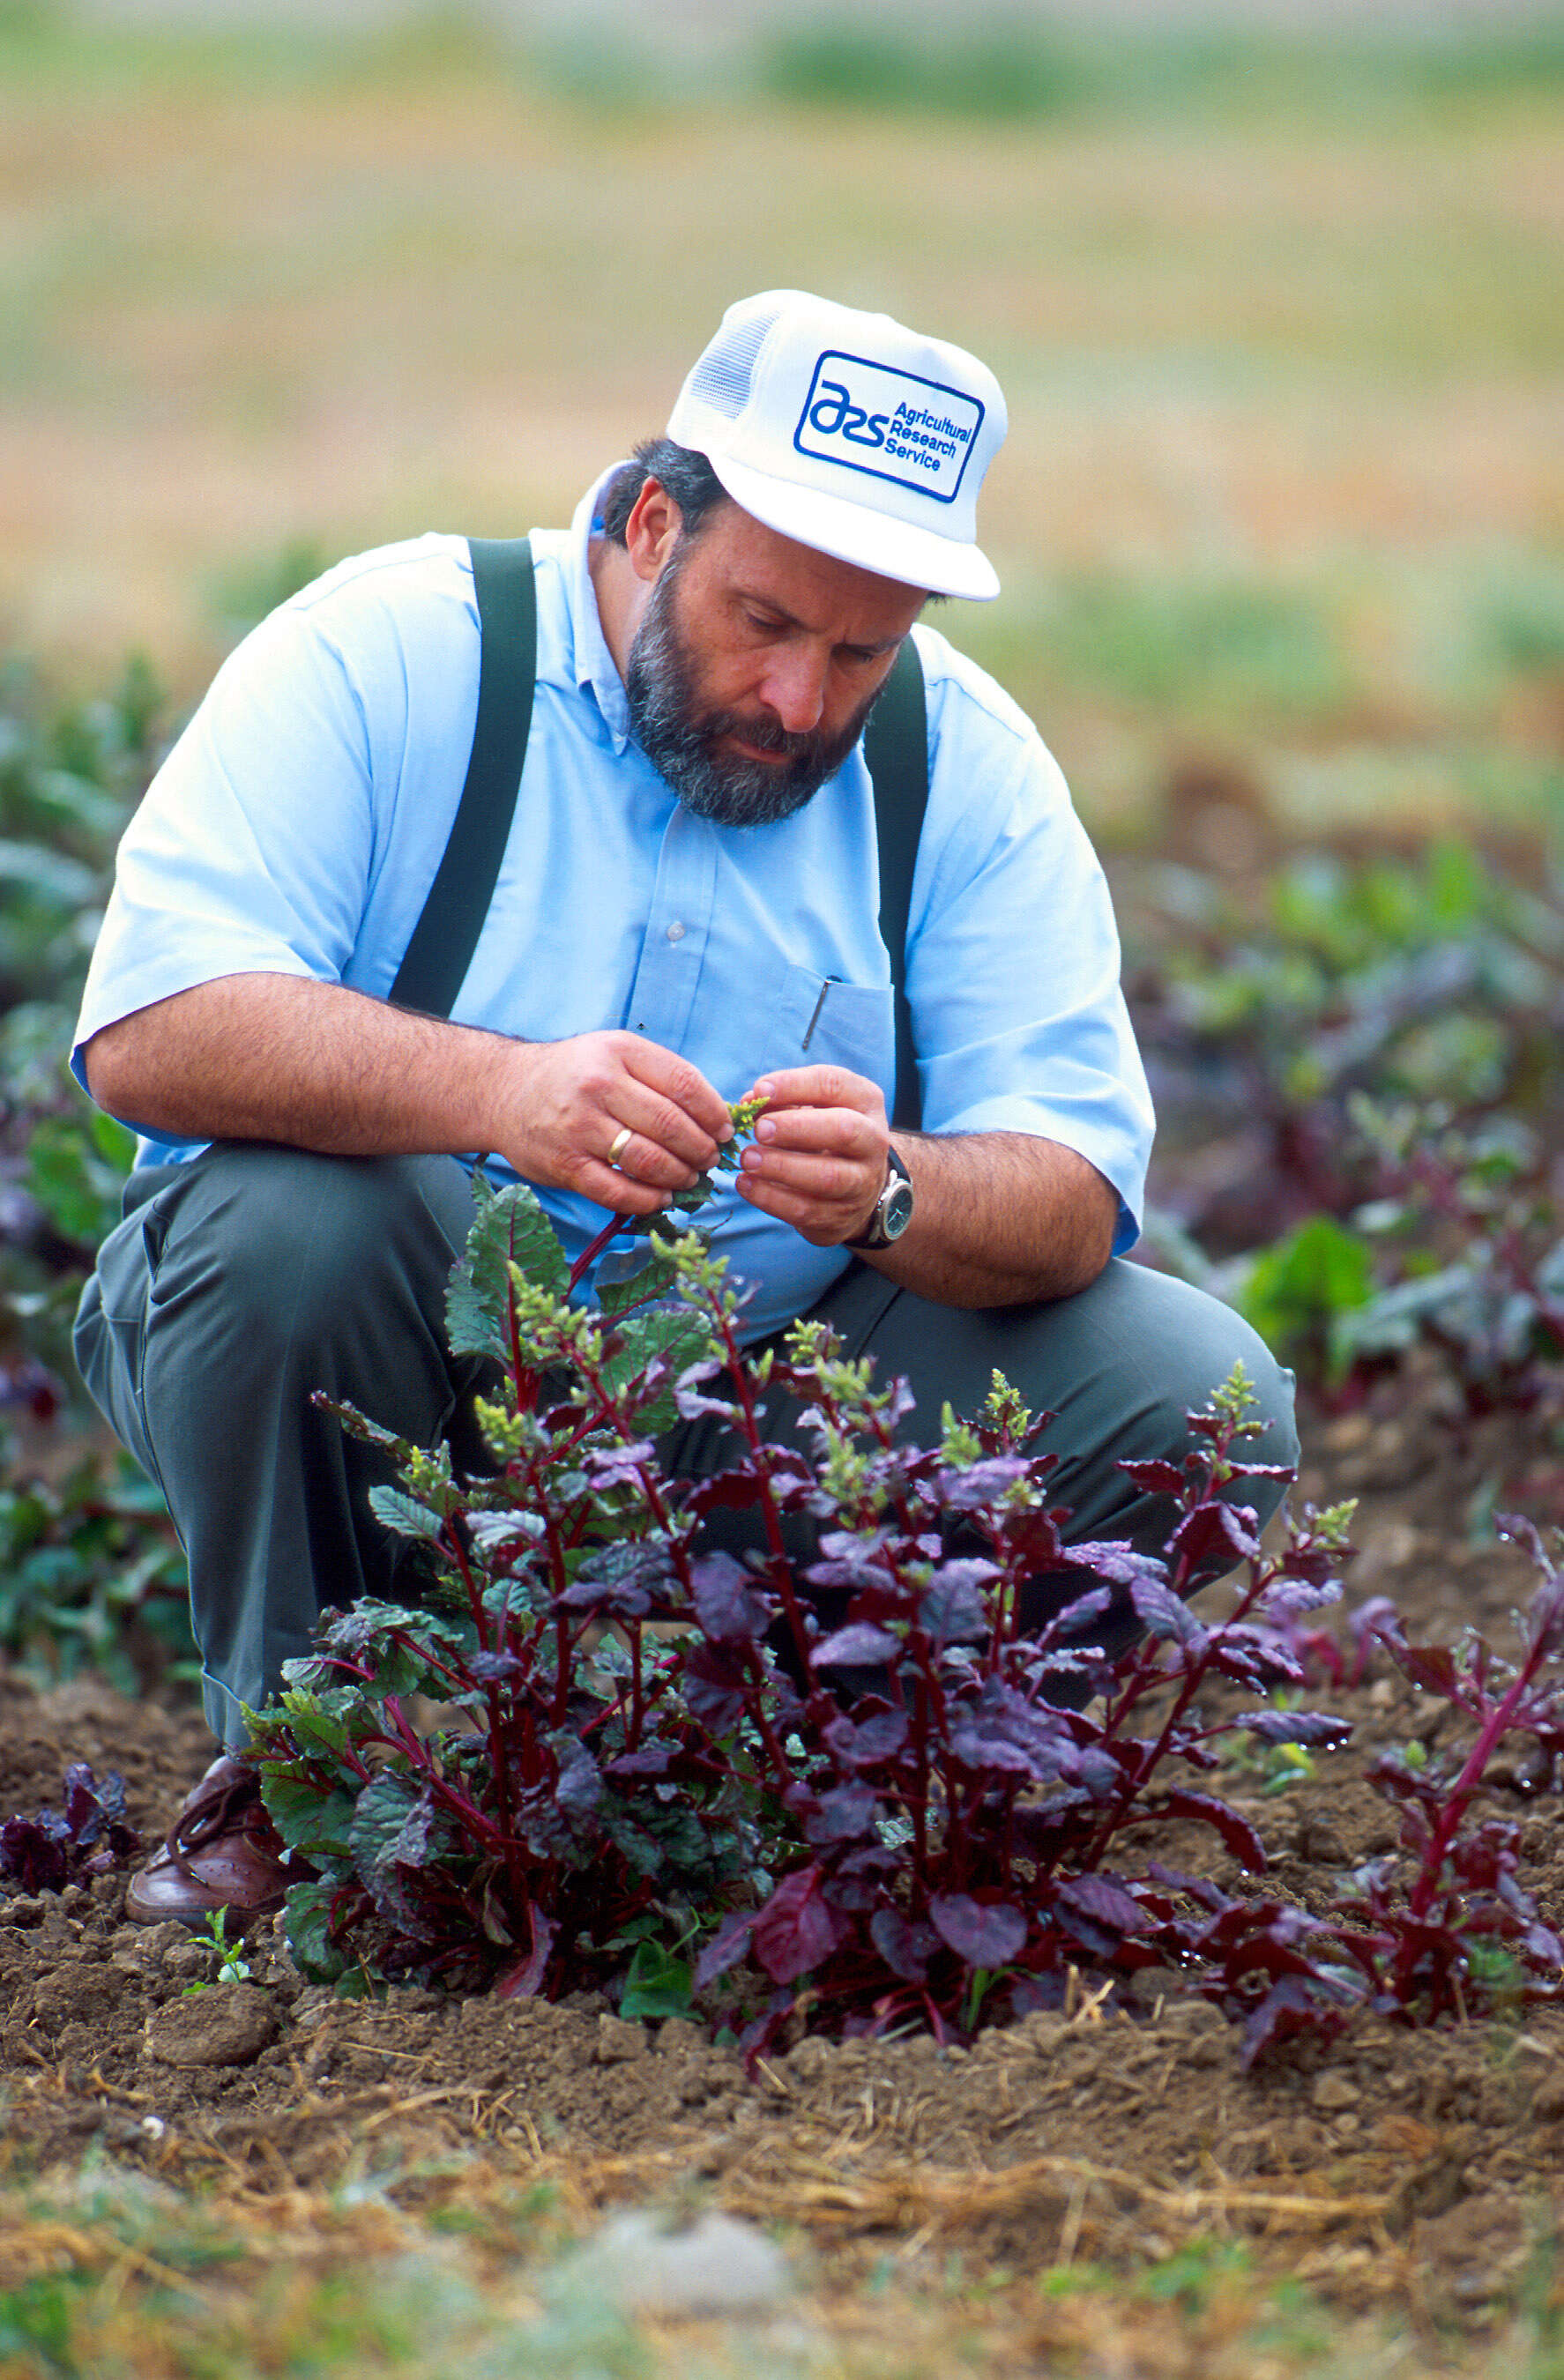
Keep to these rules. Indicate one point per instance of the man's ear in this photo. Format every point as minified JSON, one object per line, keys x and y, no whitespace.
{"x":653,"y":531}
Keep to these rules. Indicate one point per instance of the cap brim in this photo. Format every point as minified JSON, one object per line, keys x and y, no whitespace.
{"x":891,"y":548}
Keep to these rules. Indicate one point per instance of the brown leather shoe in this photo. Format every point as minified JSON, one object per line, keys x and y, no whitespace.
{"x":223,"y":1852}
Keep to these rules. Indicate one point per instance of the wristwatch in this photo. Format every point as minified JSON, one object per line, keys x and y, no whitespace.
{"x":892,"y":1208}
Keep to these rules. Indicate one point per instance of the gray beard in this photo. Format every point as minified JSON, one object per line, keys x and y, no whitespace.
{"x":683,"y":744}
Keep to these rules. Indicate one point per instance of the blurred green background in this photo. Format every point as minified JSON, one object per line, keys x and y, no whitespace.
{"x":1275,"y":301}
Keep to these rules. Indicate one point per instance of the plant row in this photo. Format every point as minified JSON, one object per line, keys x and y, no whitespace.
{"x":830,"y":1781}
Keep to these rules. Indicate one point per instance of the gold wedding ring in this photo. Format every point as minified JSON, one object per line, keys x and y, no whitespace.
{"x":618,"y":1144}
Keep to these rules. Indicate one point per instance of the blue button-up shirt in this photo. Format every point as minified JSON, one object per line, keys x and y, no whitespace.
{"x":298,"y":824}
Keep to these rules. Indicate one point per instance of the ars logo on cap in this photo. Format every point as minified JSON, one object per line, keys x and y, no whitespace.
{"x":916,"y":433}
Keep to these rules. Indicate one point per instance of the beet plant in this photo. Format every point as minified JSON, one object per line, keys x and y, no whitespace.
{"x":1462,"y":1927}
{"x":843,"y":1788}
{"x":87,"y":1837}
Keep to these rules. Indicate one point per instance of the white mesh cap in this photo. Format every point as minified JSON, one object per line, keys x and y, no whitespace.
{"x":851,"y":434}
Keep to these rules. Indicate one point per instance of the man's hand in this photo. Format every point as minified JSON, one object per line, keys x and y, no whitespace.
{"x":817,"y":1159}
{"x":999,"y":1219}
{"x":613,"y":1116}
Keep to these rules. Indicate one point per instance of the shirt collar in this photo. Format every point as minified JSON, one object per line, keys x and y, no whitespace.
{"x":595,"y":671}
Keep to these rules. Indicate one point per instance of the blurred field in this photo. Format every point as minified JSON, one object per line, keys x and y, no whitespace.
{"x":1281,"y":331}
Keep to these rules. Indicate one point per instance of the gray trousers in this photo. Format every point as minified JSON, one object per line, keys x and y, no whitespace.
{"x":240,"y":1283}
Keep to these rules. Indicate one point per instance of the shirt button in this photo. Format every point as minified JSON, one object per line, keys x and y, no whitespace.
{"x":676,"y":931}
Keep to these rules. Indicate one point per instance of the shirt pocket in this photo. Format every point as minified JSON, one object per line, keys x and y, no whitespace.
{"x":821,"y":1020}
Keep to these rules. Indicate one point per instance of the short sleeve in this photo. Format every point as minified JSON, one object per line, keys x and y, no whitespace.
{"x":1013,"y":951}
{"x":259,"y":845}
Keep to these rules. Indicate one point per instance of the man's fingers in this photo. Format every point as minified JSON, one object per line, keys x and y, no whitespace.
{"x":604,"y":1109}
{"x":682,"y":1096}
{"x":824,"y":1174}
{"x":649,"y":1141}
{"x":616,"y":1191}
{"x":629,"y":1163}
{"x":641,"y":1156}
{"x":827,"y":1205}
{"x":670,"y":1111}
{"x":657,"y":1124}
{"x":819,"y":1086}
{"x":822,"y":1131}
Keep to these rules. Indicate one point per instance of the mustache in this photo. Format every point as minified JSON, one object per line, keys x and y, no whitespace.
{"x":766,"y":734}
{"x":807,"y":753}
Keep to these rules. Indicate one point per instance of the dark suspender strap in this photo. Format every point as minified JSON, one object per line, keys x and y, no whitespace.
{"x":444,"y":941}
{"x":896,"y":749}
{"x":445,"y":936}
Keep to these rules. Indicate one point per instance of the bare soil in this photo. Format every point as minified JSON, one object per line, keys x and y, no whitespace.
{"x":1392,"y":2166}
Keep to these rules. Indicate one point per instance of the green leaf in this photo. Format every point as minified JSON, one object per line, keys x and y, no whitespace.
{"x":681,"y":1332}
{"x":667,"y":1840}
{"x":114,"y":1142}
{"x":366,"y":1624}
{"x":379,"y":1821}
{"x":657,"y":1985}
{"x":655,"y":1279}
{"x":75,"y":805}
{"x":642,"y":1849}
{"x":1298,"y":1292}
{"x":355,"y":1983}
{"x":510,"y":1228}
{"x":315,"y":1820}
{"x":370,"y":1432}
{"x":306,"y":1924}
{"x":399,"y":1831}
{"x":49,"y":876}
{"x":77,"y":1172}
{"x":322,"y":1742}
{"x":318,"y":1723}
{"x":399,"y":1512}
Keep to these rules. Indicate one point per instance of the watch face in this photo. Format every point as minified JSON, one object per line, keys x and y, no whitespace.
{"x":896,"y":1211}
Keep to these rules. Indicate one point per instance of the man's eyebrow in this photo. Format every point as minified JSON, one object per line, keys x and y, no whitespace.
{"x":781,"y":613}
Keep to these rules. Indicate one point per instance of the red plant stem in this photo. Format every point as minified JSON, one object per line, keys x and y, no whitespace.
{"x":559,"y":1582}
{"x":500,"y":1769}
{"x":1132,"y":1781}
{"x":474,"y":1593}
{"x":887,"y":1444}
{"x":1005,"y":1604}
{"x":659,"y":1510}
{"x":405,"y":1739}
{"x":762,"y":1720}
{"x":638,"y":1689}
{"x":595,"y":1247}
{"x":732,"y":1356}
{"x":918,"y":1800}
{"x":937,"y":1719}
{"x":451,"y":1797}
{"x":780,"y":1567}
{"x":1420,"y":1900}
{"x":680,"y":1552}
{"x":609,"y":1407}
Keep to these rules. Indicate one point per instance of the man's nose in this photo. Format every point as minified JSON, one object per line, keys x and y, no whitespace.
{"x":795,"y":688}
